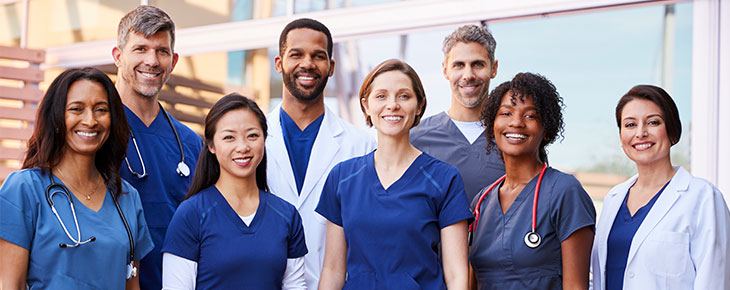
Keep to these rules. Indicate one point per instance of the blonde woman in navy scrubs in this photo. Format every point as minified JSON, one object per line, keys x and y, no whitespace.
{"x":509,"y":250}
{"x":389,"y":211}
{"x":663,"y":228}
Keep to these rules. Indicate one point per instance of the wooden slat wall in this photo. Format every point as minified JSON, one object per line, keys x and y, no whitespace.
{"x":18,"y":103}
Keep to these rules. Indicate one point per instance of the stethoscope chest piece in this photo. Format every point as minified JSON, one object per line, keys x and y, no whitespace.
{"x":183,"y":169}
{"x":532,"y":239}
{"x":131,"y":271}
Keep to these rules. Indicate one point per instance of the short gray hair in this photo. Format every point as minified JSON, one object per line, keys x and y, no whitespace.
{"x":146,"y":20}
{"x":471,"y":33}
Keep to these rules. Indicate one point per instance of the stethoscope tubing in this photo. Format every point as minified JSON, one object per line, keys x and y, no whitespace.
{"x":473,"y":226}
{"x":180,"y":170}
{"x":78,"y":242}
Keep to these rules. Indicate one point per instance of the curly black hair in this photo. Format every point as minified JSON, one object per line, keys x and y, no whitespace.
{"x":548,"y":102}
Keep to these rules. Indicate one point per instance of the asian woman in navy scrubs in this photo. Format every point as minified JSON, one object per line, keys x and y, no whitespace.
{"x":522,"y":117}
{"x":230,"y":232}
{"x":389,"y":211}
{"x":663,"y":228}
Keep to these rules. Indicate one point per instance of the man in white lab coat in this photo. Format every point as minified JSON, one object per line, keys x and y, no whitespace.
{"x":306,"y":139}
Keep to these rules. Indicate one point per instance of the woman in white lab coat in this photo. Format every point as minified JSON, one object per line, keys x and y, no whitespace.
{"x":663,"y":228}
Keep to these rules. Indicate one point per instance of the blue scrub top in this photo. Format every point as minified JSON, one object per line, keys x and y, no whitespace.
{"x":26,"y":220}
{"x":163,"y":189}
{"x":393,"y":234}
{"x":619,"y":240}
{"x":230,"y":254}
{"x":299,"y":144}
{"x":498,"y":254}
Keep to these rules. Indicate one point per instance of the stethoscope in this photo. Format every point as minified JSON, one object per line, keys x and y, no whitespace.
{"x":131,"y":269}
{"x":182,"y":169}
{"x":532,"y":238}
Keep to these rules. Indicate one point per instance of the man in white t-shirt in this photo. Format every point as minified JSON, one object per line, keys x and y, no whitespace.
{"x":456,"y":136}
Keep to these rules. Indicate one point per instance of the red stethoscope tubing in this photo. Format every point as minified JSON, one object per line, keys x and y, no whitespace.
{"x":473,"y":226}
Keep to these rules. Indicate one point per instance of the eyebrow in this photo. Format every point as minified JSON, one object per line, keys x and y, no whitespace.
{"x":649,"y":116}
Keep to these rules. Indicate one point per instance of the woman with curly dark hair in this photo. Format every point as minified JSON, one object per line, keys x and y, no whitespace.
{"x":534,"y":226}
{"x":67,"y":220}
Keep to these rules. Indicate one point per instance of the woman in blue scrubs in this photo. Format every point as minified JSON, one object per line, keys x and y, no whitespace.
{"x":67,"y":220}
{"x":663,"y":228}
{"x":231,"y":232}
{"x":522,"y":117}
{"x":392,"y":211}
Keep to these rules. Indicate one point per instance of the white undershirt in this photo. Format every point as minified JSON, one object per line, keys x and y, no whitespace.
{"x":470,"y":130}
{"x":179,"y":273}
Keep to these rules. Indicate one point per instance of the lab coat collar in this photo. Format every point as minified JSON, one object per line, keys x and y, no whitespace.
{"x":614,"y":199}
{"x":324,"y":151}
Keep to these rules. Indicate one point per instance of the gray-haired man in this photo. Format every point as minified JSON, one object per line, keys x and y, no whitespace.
{"x":456,"y":136}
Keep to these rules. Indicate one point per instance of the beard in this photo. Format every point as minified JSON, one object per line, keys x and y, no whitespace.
{"x":148,"y":90}
{"x":304,"y":93}
{"x":474,"y":99}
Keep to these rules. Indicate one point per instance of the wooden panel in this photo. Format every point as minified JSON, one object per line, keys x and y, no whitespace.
{"x":12,"y":153}
{"x":185,"y":117}
{"x":24,"y":54}
{"x":23,"y":114}
{"x":177,"y":98}
{"x":15,"y":133}
{"x":28,"y":74}
{"x":193,"y":84}
{"x":27,"y":94}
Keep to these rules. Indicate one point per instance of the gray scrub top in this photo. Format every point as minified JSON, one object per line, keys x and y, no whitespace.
{"x":439,"y":137}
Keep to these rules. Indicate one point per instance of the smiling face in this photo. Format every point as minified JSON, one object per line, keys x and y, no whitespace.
{"x":87,"y":118}
{"x":518,"y":131}
{"x":305,"y":65}
{"x":144,"y":63}
{"x":469,"y":70}
{"x":643,"y":132}
{"x":392,"y":104}
{"x":238,"y":144}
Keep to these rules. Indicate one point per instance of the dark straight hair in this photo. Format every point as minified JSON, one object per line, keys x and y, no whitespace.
{"x":207,"y":171}
{"x":46,"y":145}
{"x":661,"y":98}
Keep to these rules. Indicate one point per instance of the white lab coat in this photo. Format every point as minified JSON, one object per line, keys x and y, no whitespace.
{"x":681,"y":244}
{"x":336,"y":141}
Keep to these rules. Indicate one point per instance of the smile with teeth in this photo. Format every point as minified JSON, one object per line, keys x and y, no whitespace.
{"x":242,"y":160}
{"x":393,"y":118}
{"x":149,"y":74}
{"x":515,"y":136}
{"x":643,"y":146}
{"x":87,"y":134}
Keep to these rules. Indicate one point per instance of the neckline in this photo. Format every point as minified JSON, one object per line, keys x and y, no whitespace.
{"x":235,"y":218}
{"x":78,"y":202}
{"x":525,"y":194}
{"x":402,"y":180}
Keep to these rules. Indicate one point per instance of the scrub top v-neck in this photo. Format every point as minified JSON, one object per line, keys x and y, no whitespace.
{"x":499,"y":256}
{"x":393,"y":234}
{"x":229,"y":253}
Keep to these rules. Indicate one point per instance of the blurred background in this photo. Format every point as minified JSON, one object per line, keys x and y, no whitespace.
{"x":593,"y":51}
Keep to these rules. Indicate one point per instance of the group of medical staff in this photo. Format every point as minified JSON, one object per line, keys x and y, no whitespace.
{"x":115,"y":193}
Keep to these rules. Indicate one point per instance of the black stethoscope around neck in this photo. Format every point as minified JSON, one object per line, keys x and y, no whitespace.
{"x":532,"y":238}
{"x":131,"y":269}
{"x":182,"y":169}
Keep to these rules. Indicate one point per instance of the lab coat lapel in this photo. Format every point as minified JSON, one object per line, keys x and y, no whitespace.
{"x":611,"y":205}
{"x":663,"y":204}
{"x":277,"y":148}
{"x":324,"y":152}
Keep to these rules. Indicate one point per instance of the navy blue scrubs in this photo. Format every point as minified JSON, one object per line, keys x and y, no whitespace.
{"x":229,"y":253}
{"x":393,"y":234}
{"x":163,"y":189}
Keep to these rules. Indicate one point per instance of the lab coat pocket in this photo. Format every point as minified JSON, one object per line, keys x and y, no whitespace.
{"x":668,"y":251}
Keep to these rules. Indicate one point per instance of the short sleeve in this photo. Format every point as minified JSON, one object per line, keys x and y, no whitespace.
{"x":572,"y":208}
{"x":297,"y":245}
{"x":329,"y":202}
{"x":18,"y":210}
{"x":183,"y":234}
{"x":455,"y":207}
{"x":143,"y":244}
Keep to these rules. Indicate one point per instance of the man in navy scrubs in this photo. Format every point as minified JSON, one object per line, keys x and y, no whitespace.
{"x":145,"y":57}
{"x":456,"y":136}
{"x":306,"y":139}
